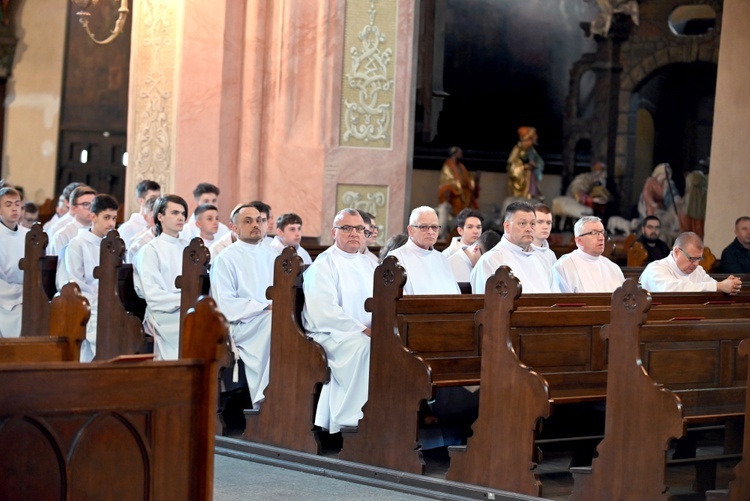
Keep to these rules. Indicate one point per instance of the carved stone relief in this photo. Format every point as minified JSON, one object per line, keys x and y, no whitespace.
{"x":369,"y":198}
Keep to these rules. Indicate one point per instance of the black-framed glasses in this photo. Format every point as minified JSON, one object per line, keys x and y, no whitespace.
{"x":426,"y":227}
{"x":596,"y":233}
{"x":85,"y":205}
{"x":358,"y":229}
{"x":690,"y":258}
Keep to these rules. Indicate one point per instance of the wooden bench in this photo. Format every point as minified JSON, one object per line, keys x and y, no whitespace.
{"x":298,"y":368}
{"x":88,"y":431}
{"x":661,"y":377}
{"x":36,"y":313}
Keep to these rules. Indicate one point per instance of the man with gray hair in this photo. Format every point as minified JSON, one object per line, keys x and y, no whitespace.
{"x":515,"y":251}
{"x":427,"y":270}
{"x":336,"y":287}
{"x":585,"y":269}
{"x":680,"y":271}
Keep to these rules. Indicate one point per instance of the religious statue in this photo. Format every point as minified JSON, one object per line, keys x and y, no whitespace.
{"x":693,"y":214}
{"x":525,"y":166}
{"x":660,"y":198}
{"x":458,"y":188}
{"x":601,"y":24}
{"x":590,"y":188}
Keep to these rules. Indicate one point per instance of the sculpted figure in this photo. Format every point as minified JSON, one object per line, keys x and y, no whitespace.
{"x":458,"y":187}
{"x":525,"y":166}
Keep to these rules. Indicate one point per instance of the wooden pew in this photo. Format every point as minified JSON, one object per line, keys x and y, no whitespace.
{"x":69,"y":312}
{"x":195,"y":259}
{"x":298,"y":368}
{"x":36,"y":313}
{"x":90,"y":431}
{"x":698,"y":363}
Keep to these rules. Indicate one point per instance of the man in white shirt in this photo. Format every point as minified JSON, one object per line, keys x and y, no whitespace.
{"x":207,"y":223}
{"x":289,"y":234}
{"x":585,"y":269}
{"x":80,"y":211}
{"x":81,"y":259}
{"x":62,"y":215}
{"x":515,"y":251}
{"x":204,"y":193}
{"x":336,"y":286}
{"x":12,"y":249}
{"x":427,"y":270}
{"x":541,"y":233}
{"x":138,"y":222}
{"x":680,"y":271}
{"x":156,"y":267}
{"x":469,"y":230}
{"x":239,"y":279}
{"x":146,"y":235}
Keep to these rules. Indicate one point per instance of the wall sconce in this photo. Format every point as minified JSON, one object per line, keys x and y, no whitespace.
{"x":84,"y":15}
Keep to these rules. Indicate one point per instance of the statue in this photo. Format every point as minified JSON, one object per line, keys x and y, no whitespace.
{"x":660,"y":198}
{"x":458,"y":188}
{"x":693,"y":214}
{"x":590,"y":188}
{"x":601,"y":24}
{"x":525,"y":166}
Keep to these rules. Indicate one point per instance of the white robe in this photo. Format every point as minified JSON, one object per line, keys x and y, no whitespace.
{"x":461,"y":266}
{"x":81,"y":257}
{"x":132,"y":227}
{"x":548,"y":254}
{"x":52,"y":226}
{"x":336,"y":286}
{"x":581,"y":272}
{"x":52,"y":222}
{"x":12,"y":248}
{"x":529,"y":267}
{"x":277,"y":245}
{"x":190,"y":230}
{"x":664,"y":276}
{"x":427,"y":271}
{"x":239,"y":279}
{"x":219,"y":245}
{"x":372,"y":257}
{"x":454,"y":247}
{"x":63,"y":236}
{"x":156,"y":267}
{"x":138,"y":242}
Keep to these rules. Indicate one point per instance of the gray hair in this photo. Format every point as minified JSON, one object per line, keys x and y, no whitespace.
{"x":414,"y":217}
{"x":345,"y":212}
{"x":578,"y":228}
{"x":683,"y":239}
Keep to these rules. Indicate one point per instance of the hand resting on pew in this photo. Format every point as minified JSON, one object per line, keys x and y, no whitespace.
{"x":730,"y":285}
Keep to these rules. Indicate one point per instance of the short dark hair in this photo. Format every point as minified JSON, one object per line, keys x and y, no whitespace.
{"x":262,"y":207}
{"x":740,"y":219}
{"x":203,"y":208}
{"x":160,"y":207}
{"x":204,"y":188}
{"x":366,"y":216}
{"x":466,"y":214}
{"x":542,"y":208}
{"x":145,"y":186}
{"x":285,"y":220}
{"x":30,"y":208}
{"x":488,"y":240}
{"x":650,"y":218}
{"x":79,"y":192}
{"x":104,"y":202}
{"x":518,"y":207}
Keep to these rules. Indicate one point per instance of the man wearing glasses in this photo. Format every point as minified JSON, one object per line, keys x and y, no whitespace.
{"x":80,"y":211}
{"x":515,"y":250}
{"x":680,"y":271}
{"x":585,"y":269}
{"x":427,"y":270}
{"x":336,"y":286}
{"x":655,"y":247}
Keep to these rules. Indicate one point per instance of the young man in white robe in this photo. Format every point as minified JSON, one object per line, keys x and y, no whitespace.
{"x":289,"y":234}
{"x":427,"y":270}
{"x":144,"y":237}
{"x":541,"y":233}
{"x":12,"y":249}
{"x":469,"y":230}
{"x":239,"y":279}
{"x":207,"y":223}
{"x":370,"y":238}
{"x":516,"y":252}
{"x":204,"y":193}
{"x":336,"y":286}
{"x":82,"y":257}
{"x":80,"y":208}
{"x":138,"y":222}
{"x":156,"y":266}
{"x":585,"y":269}
{"x":62,"y":214}
{"x":680,"y":271}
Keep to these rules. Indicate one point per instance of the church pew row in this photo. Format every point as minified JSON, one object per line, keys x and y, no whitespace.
{"x":115,"y":427}
{"x":661,"y":377}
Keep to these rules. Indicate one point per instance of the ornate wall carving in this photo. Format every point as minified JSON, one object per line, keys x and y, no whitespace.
{"x":369,"y":198}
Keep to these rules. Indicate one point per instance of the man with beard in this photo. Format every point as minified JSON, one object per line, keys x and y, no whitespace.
{"x":649,"y":238}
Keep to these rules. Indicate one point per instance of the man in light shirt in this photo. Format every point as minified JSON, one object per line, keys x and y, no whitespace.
{"x":144,"y":191}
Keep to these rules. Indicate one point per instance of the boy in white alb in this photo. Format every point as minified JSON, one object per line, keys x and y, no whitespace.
{"x":12,"y":244}
{"x":289,"y":234}
{"x":144,"y":191}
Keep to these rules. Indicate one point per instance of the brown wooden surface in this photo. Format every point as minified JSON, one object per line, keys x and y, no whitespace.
{"x":739,"y":488}
{"x":637,"y":255}
{"x":195,"y":259}
{"x":35,"y":314}
{"x":86,"y":431}
{"x":298,"y":366}
{"x":499,"y":454}
{"x":117,"y":331}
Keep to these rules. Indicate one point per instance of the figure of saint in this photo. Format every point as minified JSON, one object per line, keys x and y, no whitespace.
{"x":660,"y":198}
{"x":693,"y":215}
{"x":525,"y":166}
{"x":590,"y":188}
{"x":458,"y":187}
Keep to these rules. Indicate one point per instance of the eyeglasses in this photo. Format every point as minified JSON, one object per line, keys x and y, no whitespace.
{"x":85,"y":205}
{"x":357,"y":229}
{"x":426,"y":227}
{"x":691,"y":258}
{"x":596,"y":233}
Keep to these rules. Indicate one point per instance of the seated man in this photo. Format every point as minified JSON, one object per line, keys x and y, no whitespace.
{"x":204,"y":193}
{"x":649,"y":238}
{"x":336,"y":286}
{"x":80,"y":210}
{"x":30,"y":215}
{"x":207,"y":223}
{"x":82,"y":258}
{"x":289,"y":234}
{"x":515,"y":251}
{"x":427,"y":270}
{"x":736,"y":257}
{"x":469,"y":229}
{"x":239,"y":279}
{"x":541,"y":233}
{"x":585,"y":269}
{"x":156,"y":267}
{"x":62,"y":211}
{"x":269,"y":226}
{"x":144,"y":191}
{"x":12,"y":248}
{"x":145,"y":236}
{"x":680,"y":271}
{"x":370,"y":239}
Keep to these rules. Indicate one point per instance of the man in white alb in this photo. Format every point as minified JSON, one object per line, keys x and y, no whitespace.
{"x":204,"y":193}
{"x":463,"y":253}
{"x":239,"y":279}
{"x":289,"y":234}
{"x":138,"y":222}
{"x":585,"y":269}
{"x":62,"y":214}
{"x":515,"y":251}
{"x":427,"y":270}
{"x":541,"y":233}
{"x":12,"y":248}
{"x":680,"y":271}
{"x":336,"y":286}
{"x":80,"y":210}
